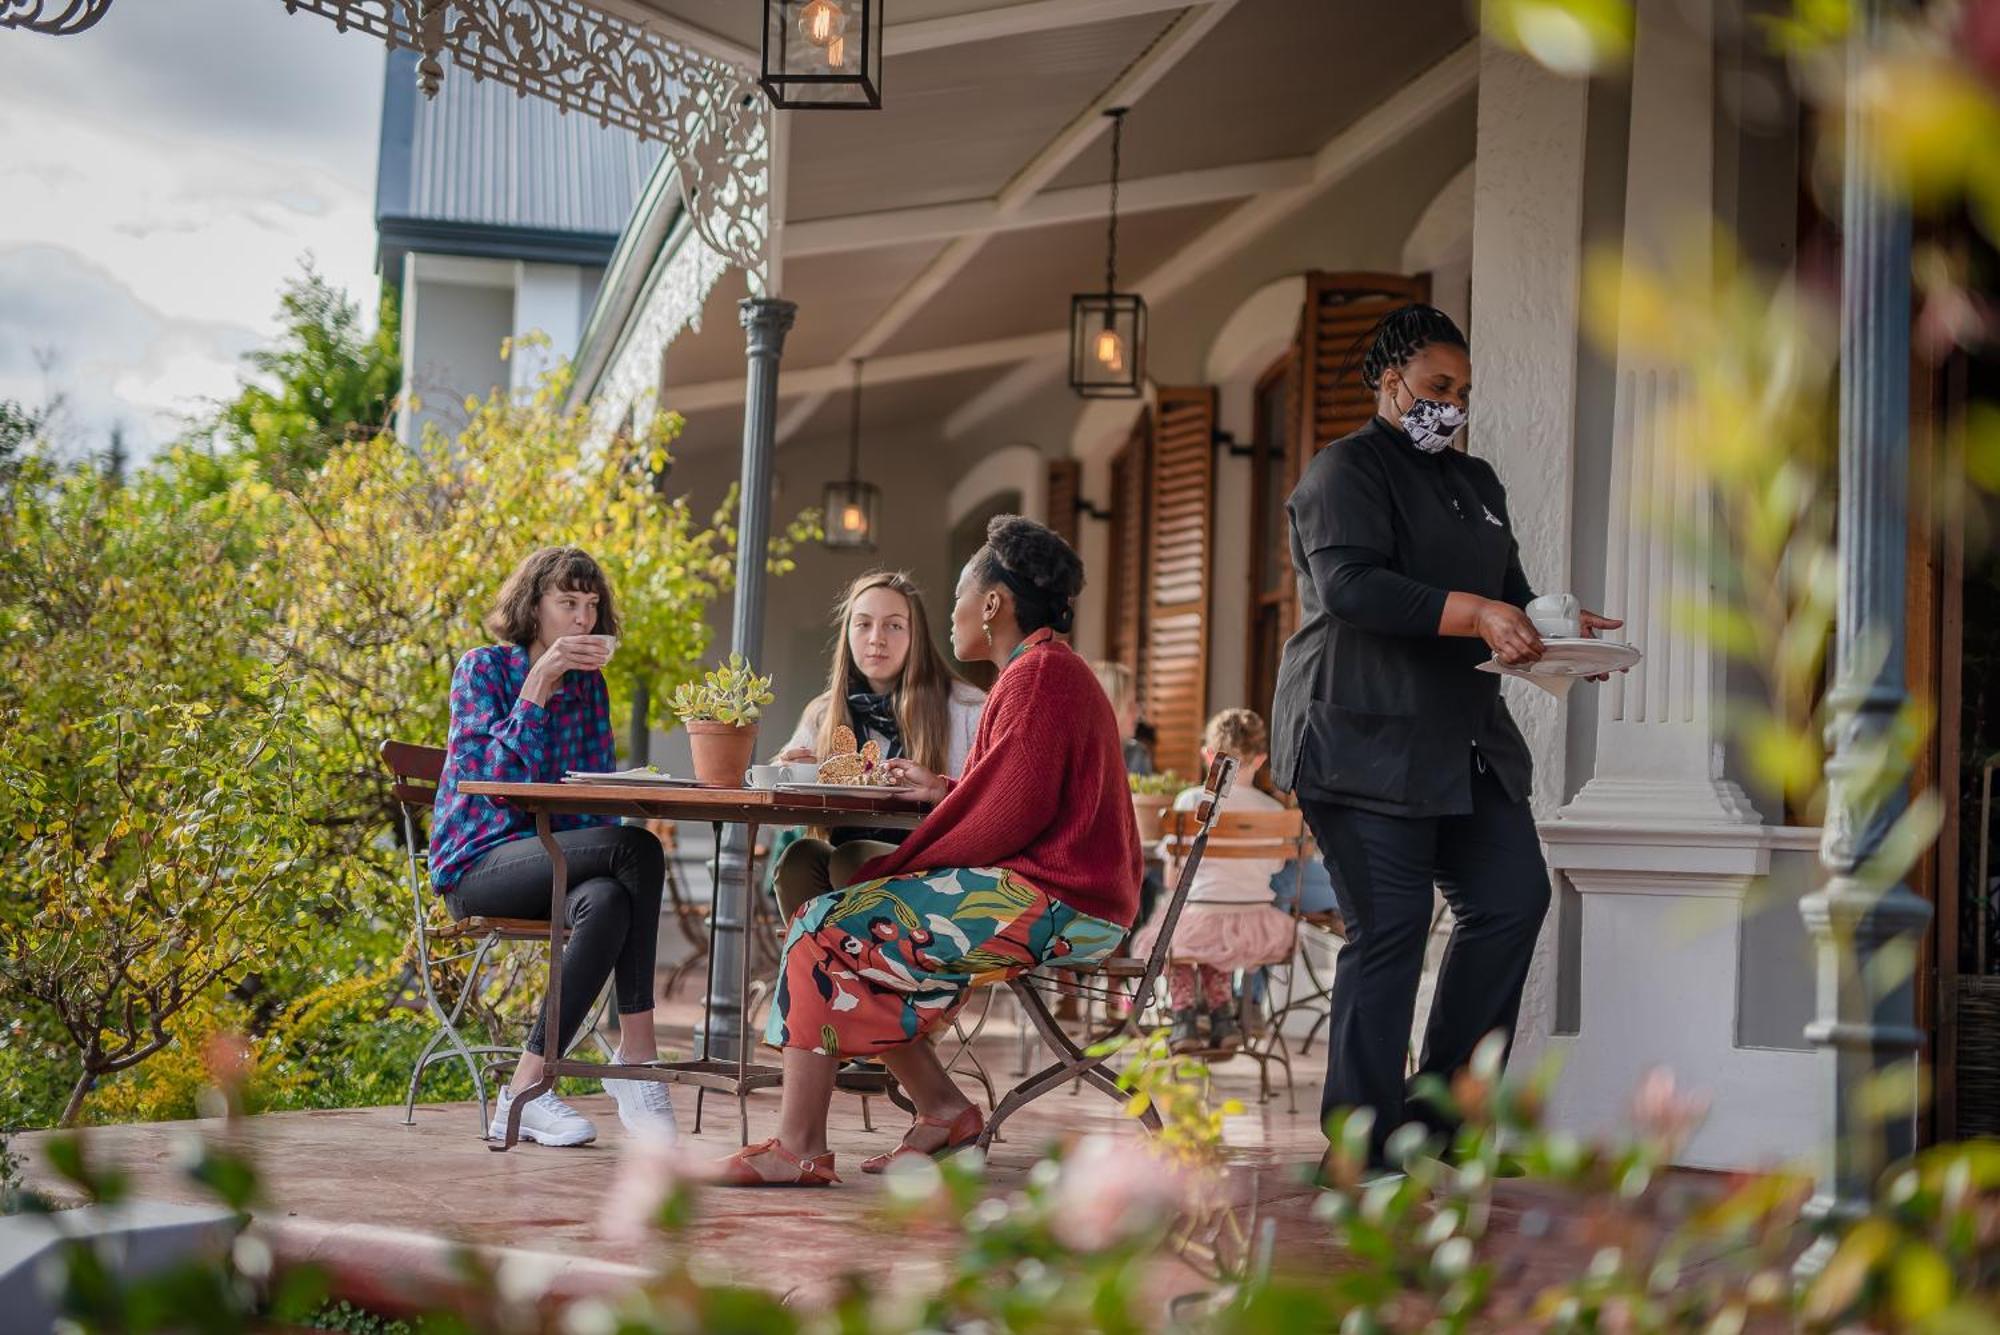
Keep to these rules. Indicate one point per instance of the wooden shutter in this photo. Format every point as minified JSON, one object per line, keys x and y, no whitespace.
{"x":1065,"y":491}
{"x":1340,"y":310}
{"x":1125,"y":616}
{"x":1180,"y":551}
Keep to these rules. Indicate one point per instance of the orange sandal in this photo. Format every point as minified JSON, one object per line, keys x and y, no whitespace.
{"x":959,"y":1132}
{"x":741,"y":1170}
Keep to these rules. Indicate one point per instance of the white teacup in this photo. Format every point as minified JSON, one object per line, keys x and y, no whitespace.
{"x":770,"y":776}
{"x":1557,"y":616}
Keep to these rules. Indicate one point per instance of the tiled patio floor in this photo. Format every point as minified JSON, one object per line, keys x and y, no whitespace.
{"x":372,"y":1198}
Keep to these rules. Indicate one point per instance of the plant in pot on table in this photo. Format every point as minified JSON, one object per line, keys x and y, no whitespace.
{"x":1152,"y":794}
{"x":720,"y":712}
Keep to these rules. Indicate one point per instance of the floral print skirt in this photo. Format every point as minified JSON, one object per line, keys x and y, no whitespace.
{"x":883,"y":963}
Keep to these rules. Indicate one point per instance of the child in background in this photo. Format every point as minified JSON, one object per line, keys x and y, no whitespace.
{"x":1123,"y":692}
{"x":1230,"y":921}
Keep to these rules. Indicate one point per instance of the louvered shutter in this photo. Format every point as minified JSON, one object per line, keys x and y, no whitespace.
{"x":1340,"y":310}
{"x":1125,"y":618}
{"x":1065,"y":490}
{"x":1180,"y":552}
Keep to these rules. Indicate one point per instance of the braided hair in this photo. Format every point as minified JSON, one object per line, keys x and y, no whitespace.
{"x":1401,"y":335}
{"x":1042,"y":571}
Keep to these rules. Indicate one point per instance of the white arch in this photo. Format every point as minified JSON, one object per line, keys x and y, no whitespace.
{"x":1441,"y":242}
{"x":1261,"y":327}
{"x":1105,"y":424}
{"x":1010,"y":468}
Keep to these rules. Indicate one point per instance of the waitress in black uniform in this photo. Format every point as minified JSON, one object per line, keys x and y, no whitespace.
{"x":1405,"y":760}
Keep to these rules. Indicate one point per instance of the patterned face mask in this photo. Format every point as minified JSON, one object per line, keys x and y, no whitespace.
{"x":1433,"y":424}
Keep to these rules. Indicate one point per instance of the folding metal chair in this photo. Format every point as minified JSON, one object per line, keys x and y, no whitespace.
{"x":415,"y":771}
{"x":1242,"y":835}
{"x":1072,"y":1062}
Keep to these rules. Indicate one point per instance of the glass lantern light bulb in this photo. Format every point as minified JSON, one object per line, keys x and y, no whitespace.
{"x":836,"y":52}
{"x":821,"y":21}
{"x":851,"y":518}
{"x":1109,"y":350}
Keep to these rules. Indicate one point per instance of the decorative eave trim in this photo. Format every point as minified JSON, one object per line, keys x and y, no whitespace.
{"x":707,"y":112}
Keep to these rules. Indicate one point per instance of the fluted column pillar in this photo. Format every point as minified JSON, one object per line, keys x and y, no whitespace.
{"x":1659,"y":744}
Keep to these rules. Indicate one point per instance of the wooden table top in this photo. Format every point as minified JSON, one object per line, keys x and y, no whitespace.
{"x":732,"y":806}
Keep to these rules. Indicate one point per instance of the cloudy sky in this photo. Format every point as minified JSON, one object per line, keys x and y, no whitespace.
{"x":161,"y":175}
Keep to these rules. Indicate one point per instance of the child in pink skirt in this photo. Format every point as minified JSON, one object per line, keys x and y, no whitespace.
{"x":1231,"y":920}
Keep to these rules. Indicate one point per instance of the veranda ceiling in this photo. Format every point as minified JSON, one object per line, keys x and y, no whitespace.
{"x":899,"y":241}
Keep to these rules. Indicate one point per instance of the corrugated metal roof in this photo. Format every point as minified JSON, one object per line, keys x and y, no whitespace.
{"x":478,"y":154}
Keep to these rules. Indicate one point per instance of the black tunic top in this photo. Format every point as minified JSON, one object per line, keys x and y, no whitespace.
{"x":1374,"y":708}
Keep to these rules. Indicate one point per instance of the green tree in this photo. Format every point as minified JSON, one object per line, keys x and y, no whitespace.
{"x":325,"y":380}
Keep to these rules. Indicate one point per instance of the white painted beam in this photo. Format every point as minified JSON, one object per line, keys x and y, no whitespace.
{"x":1181,"y":36}
{"x":655,"y":17}
{"x":1086,"y":203}
{"x":899,"y":39}
{"x":818,"y":381}
{"x":1411,"y":107}
{"x":1013,"y":20}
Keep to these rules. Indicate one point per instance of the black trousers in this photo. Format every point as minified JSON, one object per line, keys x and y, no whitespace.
{"x":1490,"y":868}
{"x":617,"y":874}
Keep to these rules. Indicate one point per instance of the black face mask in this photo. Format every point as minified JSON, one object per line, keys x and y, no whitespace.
{"x":1431,"y":424}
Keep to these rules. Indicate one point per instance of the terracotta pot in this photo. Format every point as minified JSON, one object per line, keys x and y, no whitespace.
{"x":1150,"y":811}
{"x":722,"y":751}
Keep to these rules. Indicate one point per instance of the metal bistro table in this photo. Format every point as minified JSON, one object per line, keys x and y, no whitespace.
{"x":750,"y":807}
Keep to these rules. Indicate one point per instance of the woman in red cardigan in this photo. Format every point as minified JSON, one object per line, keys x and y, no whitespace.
{"x":1030,"y":857}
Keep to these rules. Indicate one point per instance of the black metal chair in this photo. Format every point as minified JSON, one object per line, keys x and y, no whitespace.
{"x":1073,"y":1063}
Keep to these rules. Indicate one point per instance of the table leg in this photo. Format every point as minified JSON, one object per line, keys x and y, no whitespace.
{"x":743,"y":1038}
{"x":552,"y":1002}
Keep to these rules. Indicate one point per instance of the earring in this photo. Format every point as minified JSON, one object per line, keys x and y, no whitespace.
{"x":986,"y":629}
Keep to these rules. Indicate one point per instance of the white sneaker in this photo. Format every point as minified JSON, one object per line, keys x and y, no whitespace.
{"x":644,"y":1107}
{"x":546,"y":1121}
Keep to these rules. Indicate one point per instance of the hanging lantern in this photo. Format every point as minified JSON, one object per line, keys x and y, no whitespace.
{"x":822,"y":54}
{"x":849,"y":507}
{"x":1107,"y":330}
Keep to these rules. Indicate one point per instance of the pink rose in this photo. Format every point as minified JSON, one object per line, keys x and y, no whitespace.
{"x":1662,"y":1112}
{"x":1113,"y":1189}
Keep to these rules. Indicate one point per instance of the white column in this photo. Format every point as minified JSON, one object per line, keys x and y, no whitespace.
{"x":1659,"y":751}
{"x":1665,"y":853}
{"x":1527,"y":258}
{"x":548,"y":299}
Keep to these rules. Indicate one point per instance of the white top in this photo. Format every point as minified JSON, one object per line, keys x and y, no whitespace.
{"x":962,"y":712}
{"x":1231,"y":880}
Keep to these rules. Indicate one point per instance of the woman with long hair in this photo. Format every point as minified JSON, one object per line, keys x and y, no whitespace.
{"x":1030,"y":857}
{"x":888,"y":684}
{"x":529,"y":709}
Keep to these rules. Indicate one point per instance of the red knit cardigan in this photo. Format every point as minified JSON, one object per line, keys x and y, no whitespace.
{"x":1043,"y":793}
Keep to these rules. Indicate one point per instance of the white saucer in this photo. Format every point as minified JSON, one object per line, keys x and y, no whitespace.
{"x":1565,"y":657}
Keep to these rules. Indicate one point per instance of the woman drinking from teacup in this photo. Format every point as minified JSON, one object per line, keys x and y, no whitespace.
{"x":889,"y":685}
{"x":1030,"y":857}
{"x":1407,"y":765}
{"x":529,"y":710}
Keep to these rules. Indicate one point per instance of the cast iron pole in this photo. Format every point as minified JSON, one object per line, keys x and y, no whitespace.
{"x":1866,"y":933}
{"x":766,"y":320}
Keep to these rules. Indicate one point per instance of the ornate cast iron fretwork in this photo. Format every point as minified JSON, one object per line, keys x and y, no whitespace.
{"x":57,"y":18}
{"x":631,"y":384}
{"x":705,"y":110}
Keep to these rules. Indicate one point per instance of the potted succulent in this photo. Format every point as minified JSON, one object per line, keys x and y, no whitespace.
{"x":721,"y":712}
{"x":1152,"y":794}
